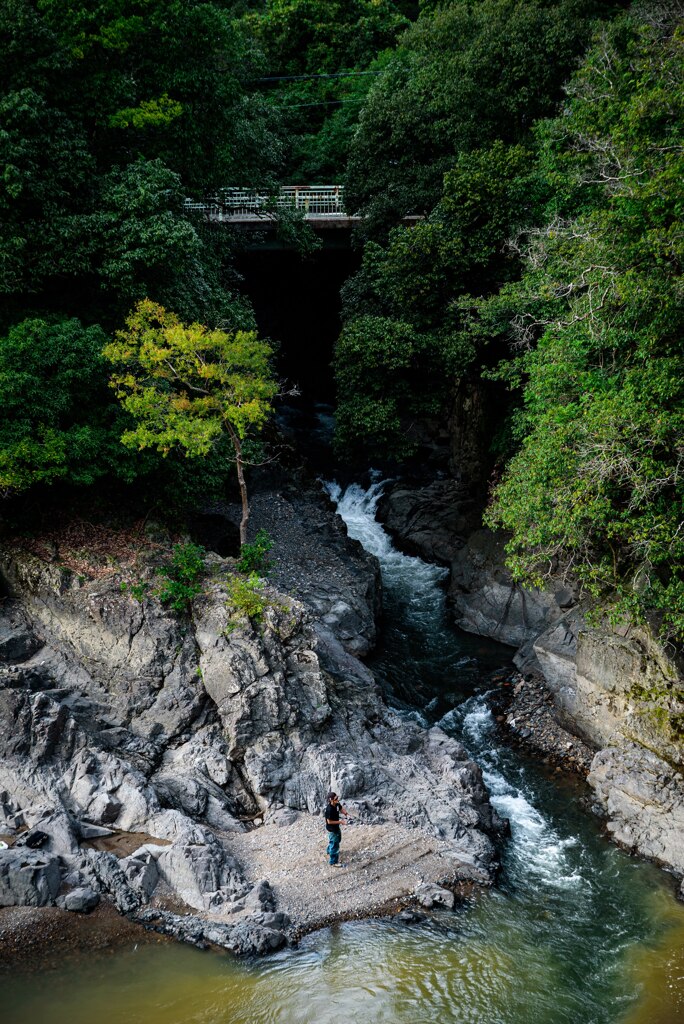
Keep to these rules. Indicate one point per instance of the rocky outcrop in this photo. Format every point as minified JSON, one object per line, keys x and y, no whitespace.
{"x":618,"y":690}
{"x":642,"y":798}
{"x":488,"y":602}
{"x":119,"y":720}
{"x":431,"y":521}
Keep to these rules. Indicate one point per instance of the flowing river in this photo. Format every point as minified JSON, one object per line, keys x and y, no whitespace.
{"x":576,"y":932}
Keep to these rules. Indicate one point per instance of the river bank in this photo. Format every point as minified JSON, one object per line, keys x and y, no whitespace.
{"x":47,"y":938}
{"x":143,"y":750}
{"x":560,"y":938}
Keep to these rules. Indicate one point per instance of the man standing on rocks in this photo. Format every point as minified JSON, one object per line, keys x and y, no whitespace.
{"x":332,"y":824}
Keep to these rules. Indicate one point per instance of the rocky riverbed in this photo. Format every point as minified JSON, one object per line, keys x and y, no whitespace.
{"x":601,"y":699}
{"x":149,"y":758}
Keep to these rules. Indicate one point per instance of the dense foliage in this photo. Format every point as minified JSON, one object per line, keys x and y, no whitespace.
{"x":111,"y":115}
{"x":535,"y":143}
{"x":55,"y":419}
{"x":597,"y":323}
{"x":182,"y":577}
{"x":320,"y":59}
{"x":403,"y":342}
{"x":465,"y":75}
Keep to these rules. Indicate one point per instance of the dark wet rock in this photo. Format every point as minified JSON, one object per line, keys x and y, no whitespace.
{"x":431,"y":521}
{"x":314,"y":560}
{"x":108,"y":877}
{"x":524,"y":709}
{"x":34,"y":839}
{"x":17,"y":640}
{"x":410,"y":916}
{"x":255,"y":935}
{"x":487,"y":601}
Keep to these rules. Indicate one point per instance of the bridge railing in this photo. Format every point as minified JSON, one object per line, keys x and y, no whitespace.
{"x":241,"y":203}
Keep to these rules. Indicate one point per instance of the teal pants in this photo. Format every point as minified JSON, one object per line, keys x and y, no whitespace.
{"x":334,"y":839}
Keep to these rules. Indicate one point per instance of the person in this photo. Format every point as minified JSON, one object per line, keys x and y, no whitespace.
{"x":332,"y":823}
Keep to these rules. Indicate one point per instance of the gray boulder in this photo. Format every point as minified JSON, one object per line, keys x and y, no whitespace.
{"x":81,"y":900}
{"x":429,"y":896}
{"x":28,"y":878}
{"x":17,"y":640}
{"x":200,"y":871}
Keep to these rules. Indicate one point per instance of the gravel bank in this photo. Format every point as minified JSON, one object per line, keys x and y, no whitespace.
{"x":384,"y":865}
{"x":42,"y":937}
{"x":524,"y":710}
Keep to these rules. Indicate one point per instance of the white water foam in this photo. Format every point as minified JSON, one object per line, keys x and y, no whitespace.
{"x":357,"y":508}
{"x":536,"y":845}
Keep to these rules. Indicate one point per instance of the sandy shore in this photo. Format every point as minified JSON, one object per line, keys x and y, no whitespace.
{"x":42,"y":937}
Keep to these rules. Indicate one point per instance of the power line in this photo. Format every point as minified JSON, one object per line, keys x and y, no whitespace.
{"x":322,"y":103}
{"x":301,"y":78}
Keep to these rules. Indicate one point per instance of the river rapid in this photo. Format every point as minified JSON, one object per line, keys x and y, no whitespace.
{"x":576,"y":931}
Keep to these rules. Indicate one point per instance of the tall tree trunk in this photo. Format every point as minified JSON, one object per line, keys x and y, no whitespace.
{"x":243,"y":486}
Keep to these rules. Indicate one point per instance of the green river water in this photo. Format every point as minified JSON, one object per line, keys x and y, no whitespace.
{"x":576,"y":931}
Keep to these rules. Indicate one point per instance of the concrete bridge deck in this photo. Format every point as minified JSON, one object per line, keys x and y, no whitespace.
{"x":322,"y":206}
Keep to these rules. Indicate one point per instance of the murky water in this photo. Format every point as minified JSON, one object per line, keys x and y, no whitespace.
{"x":577,"y":932}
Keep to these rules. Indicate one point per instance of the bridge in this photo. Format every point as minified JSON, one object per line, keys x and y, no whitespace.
{"x":321,"y":205}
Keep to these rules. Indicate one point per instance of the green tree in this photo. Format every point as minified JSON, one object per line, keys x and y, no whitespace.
{"x":307,"y":44}
{"x":112,"y":114}
{"x":55,"y":420}
{"x":447,"y":132}
{"x":187,"y":386}
{"x":595,"y":490}
{"x":464,"y":75}
{"x":414,"y":283}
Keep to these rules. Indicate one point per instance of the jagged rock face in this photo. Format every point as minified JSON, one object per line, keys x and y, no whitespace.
{"x":621,"y":693}
{"x":643,"y":799}
{"x":143,"y":663}
{"x":296,"y":731}
{"x":614,"y":687}
{"x":487,"y":601}
{"x":120,"y":716}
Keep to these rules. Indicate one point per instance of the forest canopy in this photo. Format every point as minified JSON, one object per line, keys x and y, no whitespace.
{"x":537,"y":147}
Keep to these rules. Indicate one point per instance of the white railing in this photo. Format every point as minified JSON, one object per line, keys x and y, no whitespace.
{"x":241,"y":203}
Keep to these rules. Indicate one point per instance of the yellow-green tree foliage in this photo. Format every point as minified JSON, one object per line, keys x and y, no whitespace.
{"x":186,"y":385}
